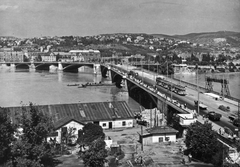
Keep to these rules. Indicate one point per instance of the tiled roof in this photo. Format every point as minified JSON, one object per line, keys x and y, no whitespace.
{"x":83,"y":112}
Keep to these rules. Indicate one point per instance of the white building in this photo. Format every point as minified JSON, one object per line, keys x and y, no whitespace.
{"x":158,"y":134}
{"x":84,"y":55}
{"x":48,"y":57}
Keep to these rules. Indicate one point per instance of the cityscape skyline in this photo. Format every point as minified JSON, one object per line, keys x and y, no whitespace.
{"x":38,"y":18}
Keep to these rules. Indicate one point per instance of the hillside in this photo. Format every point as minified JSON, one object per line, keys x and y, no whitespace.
{"x":232,"y":38}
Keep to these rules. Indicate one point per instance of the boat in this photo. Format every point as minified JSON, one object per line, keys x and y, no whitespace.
{"x":72,"y":84}
{"x":96,"y":84}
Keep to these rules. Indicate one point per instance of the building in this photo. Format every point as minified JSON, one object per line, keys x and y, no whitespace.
{"x":109,"y":115}
{"x":11,"y":56}
{"x":182,"y":121}
{"x":85,"y":55}
{"x":158,"y":134}
{"x":48,"y":56}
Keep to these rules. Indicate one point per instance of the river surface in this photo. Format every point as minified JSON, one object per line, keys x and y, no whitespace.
{"x":19,"y":87}
{"x":234,"y":81}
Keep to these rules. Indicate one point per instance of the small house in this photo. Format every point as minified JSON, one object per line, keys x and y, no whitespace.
{"x":158,"y":134}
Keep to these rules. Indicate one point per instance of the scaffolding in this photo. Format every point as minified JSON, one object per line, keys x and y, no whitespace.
{"x":224,"y":82}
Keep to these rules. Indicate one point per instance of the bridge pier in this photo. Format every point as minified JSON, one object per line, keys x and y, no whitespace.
{"x":12,"y":65}
{"x":60,"y":67}
{"x":109,"y":73}
{"x":32,"y":65}
{"x":124,"y":83}
{"x":96,"y":69}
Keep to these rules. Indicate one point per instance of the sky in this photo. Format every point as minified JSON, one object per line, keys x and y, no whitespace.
{"x":36,"y":18}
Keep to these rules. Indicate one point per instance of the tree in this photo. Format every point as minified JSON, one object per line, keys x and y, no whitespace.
{"x":31,"y":148}
{"x":202,"y":141}
{"x":6,"y":136}
{"x":39,"y":58}
{"x":167,"y":68}
{"x":206,"y":57}
{"x":96,"y":154}
{"x":90,"y":133}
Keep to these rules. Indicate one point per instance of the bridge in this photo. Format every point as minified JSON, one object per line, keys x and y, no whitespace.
{"x":61,"y":66}
{"x":142,"y":90}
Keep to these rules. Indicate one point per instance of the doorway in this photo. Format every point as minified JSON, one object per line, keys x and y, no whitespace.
{"x":110,"y":125}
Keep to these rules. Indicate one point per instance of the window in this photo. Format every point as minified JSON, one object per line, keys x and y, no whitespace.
{"x":104,"y":124}
{"x":124,"y":123}
{"x":160,"y":139}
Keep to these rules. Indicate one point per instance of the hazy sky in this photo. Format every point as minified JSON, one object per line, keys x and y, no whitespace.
{"x":29,"y":18}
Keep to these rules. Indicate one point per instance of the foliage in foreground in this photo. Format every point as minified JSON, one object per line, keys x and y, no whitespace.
{"x":96,"y":154}
{"x":202,"y":141}
{"x":6,"y":136}
{"x":90,"y":133}
{"x":29,"y":147}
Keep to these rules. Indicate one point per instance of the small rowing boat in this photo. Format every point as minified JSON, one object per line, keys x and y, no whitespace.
{"x":72,"y":84}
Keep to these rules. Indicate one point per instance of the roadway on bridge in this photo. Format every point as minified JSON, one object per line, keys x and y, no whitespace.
{"x":190,"y":97}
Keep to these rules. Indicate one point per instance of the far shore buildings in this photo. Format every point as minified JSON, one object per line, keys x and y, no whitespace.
{"x":85,"y":55}
{"x":22,"y":54}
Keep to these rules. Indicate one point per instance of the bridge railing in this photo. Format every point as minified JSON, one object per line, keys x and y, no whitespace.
{"x":155,"y":91}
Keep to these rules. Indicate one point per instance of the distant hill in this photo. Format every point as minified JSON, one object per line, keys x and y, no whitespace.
{"x":230,"y":37}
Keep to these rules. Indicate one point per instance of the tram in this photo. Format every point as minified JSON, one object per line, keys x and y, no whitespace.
{"x":178,"y":89}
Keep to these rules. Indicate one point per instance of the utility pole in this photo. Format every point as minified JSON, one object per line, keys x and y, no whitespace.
{"x":142,"y":137}
{"x":155,"y":116}
{"x":198,"y":92}
{"x":238,"y":117}
{"x":167,"y":69}
{"x":150,"y":118}
{"x":171,"y":85}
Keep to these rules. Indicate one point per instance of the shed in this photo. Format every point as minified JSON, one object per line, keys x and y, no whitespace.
{"x":158,"y":134}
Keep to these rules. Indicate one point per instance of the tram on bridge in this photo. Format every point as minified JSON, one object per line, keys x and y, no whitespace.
{"x":178,"y":89}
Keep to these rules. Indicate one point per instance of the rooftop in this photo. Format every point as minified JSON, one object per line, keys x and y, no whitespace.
{"x":81,"y":112}
{"x":160,"y":130}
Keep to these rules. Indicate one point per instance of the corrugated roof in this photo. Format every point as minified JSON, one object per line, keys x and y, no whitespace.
{"x":83,"y":112}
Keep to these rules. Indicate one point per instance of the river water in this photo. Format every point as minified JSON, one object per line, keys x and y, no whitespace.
{"x":19,"y":87}
{"x":234,"y":81}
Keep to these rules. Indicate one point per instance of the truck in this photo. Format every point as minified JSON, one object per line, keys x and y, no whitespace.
{"x":201,"y":105}
{"x":213,"y":116}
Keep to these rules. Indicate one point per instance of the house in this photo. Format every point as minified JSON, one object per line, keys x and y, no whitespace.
{"x":83,"y":55}
{"x":158,"y":134}
{"x":108,"y":115}
{"x":66,"y":125}
{"x":48,"y":56}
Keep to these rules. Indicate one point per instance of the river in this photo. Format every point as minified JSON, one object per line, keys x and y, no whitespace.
{"x":19,"y":87}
